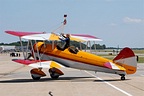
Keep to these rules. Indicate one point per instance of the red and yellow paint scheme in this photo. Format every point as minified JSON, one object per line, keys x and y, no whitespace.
{"x":124,"y":63}
{"x":48,"y":56}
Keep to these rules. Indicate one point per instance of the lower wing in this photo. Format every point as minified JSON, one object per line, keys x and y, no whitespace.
{"x":38,"y":63}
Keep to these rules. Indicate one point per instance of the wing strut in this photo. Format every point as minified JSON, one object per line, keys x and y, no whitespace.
{"x":22,"y":48}
{"x":38,"y":53}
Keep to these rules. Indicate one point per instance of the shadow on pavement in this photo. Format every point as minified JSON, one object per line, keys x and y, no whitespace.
{"x":61,"y":79}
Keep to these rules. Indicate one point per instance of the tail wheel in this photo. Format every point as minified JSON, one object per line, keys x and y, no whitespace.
{"x":122,"y":77}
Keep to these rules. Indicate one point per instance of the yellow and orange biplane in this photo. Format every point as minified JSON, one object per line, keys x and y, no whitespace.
{"x":47,"y":55}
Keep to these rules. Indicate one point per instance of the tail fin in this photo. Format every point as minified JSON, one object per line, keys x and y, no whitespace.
{"x":127,"y":59}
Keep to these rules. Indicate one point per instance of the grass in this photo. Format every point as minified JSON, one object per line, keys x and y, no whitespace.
{"x":139,"y":53}
{"x":141,"y":60}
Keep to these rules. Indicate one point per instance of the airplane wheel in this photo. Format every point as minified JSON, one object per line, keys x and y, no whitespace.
{"x":123,"y":78}
{"x":53,"y":73}
{"x":35,"y":78}
{"x":54,"y":77}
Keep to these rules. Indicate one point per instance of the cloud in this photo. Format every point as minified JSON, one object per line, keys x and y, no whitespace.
{"x":133,"y":20}
{"x":113,"y":24}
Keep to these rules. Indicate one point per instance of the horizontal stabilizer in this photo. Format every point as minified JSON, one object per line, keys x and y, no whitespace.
{"x":111,"y":65}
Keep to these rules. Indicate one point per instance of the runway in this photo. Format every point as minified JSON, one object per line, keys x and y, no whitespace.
{"x":15,"y":80}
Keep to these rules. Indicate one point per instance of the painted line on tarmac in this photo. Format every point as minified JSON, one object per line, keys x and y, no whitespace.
{"x":142,"y":75}
{"x":128,"y":94}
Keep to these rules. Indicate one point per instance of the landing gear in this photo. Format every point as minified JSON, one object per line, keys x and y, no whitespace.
{"x":54,"y":76}
{"x":122,"y":77}
{"x":55,"y":73}
{"x":37,"y":73}
{"x":35,"y":77}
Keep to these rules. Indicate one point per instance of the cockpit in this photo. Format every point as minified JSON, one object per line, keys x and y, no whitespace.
{"x":73,"y":49}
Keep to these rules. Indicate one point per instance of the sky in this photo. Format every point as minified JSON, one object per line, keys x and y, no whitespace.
{"x":116,"y":22}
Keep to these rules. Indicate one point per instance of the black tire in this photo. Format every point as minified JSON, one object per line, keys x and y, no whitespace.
{"x":35,"y":78}
{"x":123,"y":78}
{"x":54,"y":77}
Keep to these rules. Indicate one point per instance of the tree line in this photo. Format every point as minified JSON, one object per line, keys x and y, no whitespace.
{"x":73,"y":43}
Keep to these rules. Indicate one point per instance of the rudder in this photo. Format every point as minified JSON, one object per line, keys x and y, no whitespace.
{"x":127,"y":59}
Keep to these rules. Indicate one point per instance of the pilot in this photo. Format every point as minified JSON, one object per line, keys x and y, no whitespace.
{"x":66,"y":40}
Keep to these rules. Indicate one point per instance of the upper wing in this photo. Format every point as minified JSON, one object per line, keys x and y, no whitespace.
{"x":37,"y":37}
{"x":20,"y":34}
{"x":85,"y":37}
{"x":51,"y":36}
{"x":38,"y":64}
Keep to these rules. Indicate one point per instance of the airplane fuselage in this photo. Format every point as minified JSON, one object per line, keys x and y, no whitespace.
{"x":80,"y":60}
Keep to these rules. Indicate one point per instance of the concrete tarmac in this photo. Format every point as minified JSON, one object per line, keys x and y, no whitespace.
{"x":15,"y":80}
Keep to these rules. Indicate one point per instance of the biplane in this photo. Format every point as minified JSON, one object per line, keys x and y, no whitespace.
{"x":43,"y":53}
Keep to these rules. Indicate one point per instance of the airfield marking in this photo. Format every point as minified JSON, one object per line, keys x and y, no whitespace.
{"x":110,"y":84}
{"x":142,"y":75}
